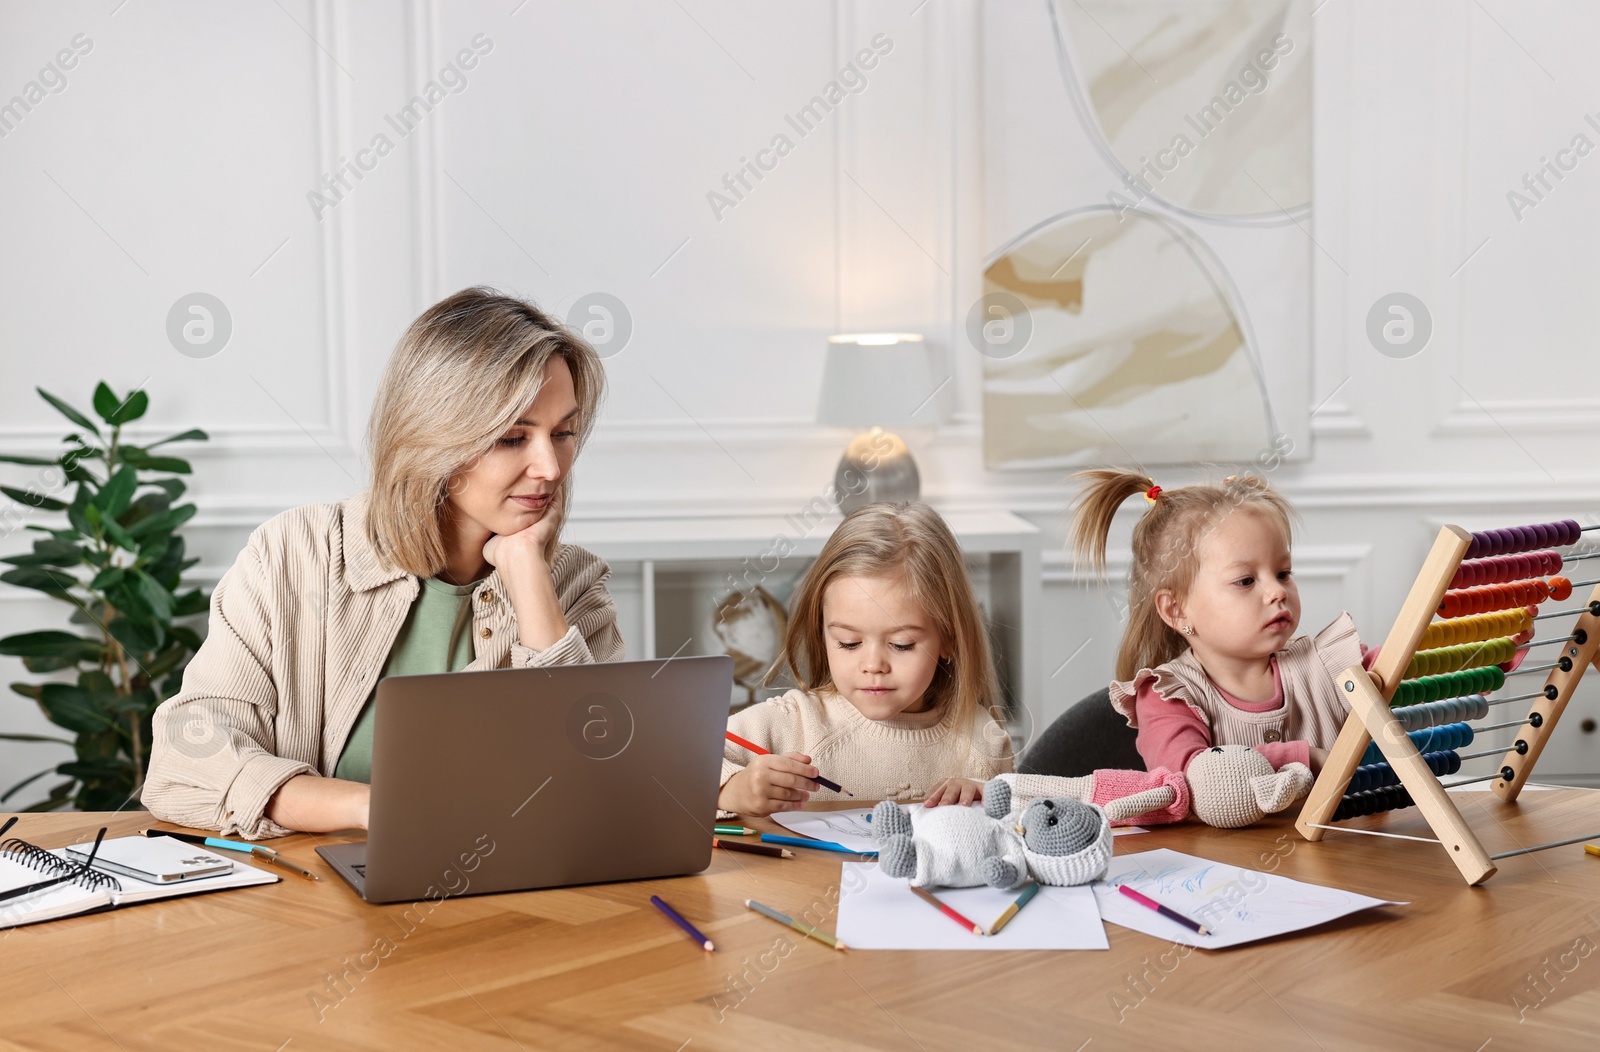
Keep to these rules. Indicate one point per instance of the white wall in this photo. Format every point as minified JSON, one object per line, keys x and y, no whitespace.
{"x":578,"y":159}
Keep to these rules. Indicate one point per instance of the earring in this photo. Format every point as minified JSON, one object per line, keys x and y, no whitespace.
{"x":1188,"y":630}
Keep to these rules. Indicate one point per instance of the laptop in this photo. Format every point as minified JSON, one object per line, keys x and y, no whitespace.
{"x":515,"y":779}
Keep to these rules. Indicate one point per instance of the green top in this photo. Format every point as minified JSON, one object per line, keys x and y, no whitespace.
{"x":434,"y":638}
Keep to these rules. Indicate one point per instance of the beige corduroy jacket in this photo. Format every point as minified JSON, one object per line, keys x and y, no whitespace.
{"x":300,"y":629}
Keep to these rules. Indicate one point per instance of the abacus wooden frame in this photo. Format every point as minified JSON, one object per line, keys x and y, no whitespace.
{"x":1371,"y":719}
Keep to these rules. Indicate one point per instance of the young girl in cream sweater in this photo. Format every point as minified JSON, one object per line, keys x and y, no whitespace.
{"x":896,"y":686}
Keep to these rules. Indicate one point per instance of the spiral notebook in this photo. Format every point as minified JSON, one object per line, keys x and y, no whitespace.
{"x":92,"y":890}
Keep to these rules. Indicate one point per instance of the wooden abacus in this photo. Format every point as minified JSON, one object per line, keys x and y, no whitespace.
{"x":1412,"y":712}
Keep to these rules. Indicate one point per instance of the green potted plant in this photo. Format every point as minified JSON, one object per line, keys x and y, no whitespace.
{"x":118,"y":561}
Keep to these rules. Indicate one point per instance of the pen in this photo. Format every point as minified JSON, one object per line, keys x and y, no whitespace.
{"x":1170,"y":914}
{"x":759,"y":751}
{"x":820,"y":845}
{"x":266,"y":854}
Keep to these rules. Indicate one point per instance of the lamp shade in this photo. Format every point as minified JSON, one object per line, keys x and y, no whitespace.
{"x":878,"y":380}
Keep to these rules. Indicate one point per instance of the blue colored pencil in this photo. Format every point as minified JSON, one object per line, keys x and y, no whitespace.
{"x":820,"y":845}
{"x":694,"y":933}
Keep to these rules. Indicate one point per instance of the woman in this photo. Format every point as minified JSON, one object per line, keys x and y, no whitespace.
{"x":451,"y":561}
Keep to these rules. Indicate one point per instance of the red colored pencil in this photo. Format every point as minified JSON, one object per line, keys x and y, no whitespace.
{"x":759,"y":751}
{"x":929,"y":898}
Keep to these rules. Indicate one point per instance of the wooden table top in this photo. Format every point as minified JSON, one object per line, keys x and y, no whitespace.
{"x":1507,"y":965}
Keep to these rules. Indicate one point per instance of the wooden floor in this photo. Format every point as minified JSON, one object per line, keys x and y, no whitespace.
{"x":1509,"y":965}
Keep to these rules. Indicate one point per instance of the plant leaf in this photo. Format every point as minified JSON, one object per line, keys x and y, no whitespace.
{"x":33,"y":738}
{"x":136,"y":637}
{"x":74,"y":708}
{"x":190,"y":603}
{"x":67,"y":411}
{"x":115,"y":496}
{"x":77,"y":511}
{"x":146,"y":462}
{"x":50,"y":644}
{"x":131,"y":409}
{"x":194,"y":434}
{"x":105,"y":401}
{"x":26,"y":781}
{"x":32,"y":461}
{"x":107,"y":579}
{"x":34,"y":500}
{"x":148,"y":503}
{"x":163,"y":521}
{"x":41,"y":580}
{"x":49,"y":552}
{"x":119,"y":536}
{"x":154,"y":594}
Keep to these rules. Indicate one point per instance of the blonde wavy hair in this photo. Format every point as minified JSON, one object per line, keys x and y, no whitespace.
{"x":908,"y":542}
{"x":1166,"y":543}
{"x":457,"y":381}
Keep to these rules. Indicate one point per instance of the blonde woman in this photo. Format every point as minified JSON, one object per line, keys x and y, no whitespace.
{"x":896,"y":687}
{"x":451,"y":561}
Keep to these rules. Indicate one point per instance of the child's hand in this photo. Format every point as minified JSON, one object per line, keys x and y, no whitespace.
{"x":961,"y":791}
{"x":1318,"y":758}
{"x":770,"y":783}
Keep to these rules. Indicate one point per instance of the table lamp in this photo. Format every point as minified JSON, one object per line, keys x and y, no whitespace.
{"x":877,"y":381}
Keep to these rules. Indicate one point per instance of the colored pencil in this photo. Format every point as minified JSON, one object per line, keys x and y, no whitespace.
{"x":1170,"y":914}
{"x":754,"y":849}
{"x":735,"y":830}
{"x":929,"y":898}
{"x":804,"y":929}
{"x":1590,"y":848}
{"x":694,"y":933}
{"x":820,"y":845}
{"x":1011,"y":911}
{"x":759,"y":751}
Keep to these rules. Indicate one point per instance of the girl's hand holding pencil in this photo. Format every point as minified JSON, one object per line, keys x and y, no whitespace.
{"x":771,"y":783}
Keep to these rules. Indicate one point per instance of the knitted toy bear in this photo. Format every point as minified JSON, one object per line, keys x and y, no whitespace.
{"x":1226,"y":786}
{"x":1059,"y":842}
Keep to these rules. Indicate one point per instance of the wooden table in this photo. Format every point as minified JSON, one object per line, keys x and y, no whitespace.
{"x":598,"y":968}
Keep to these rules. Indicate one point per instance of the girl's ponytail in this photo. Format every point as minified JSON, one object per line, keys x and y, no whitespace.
{"x":1095,"y":508}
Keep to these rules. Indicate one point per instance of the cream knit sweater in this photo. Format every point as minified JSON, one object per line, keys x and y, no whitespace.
{"x":898,"y":759}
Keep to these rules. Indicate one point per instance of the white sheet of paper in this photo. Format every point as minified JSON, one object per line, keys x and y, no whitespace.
{"x":1238,"y":905}
{"x":879,"y":912}
{"x":848,"y":827}
{"x":1128,"y":830}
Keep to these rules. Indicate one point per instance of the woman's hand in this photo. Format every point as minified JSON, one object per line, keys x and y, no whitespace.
{"x":525,"y":575}
{"x":961,"y":791}
{"x":771,"y":783}
{"x":312,"y":804}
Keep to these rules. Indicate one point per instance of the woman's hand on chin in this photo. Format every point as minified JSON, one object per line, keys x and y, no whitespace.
{"x":524,"y":550}
{"x":525,"y":576}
